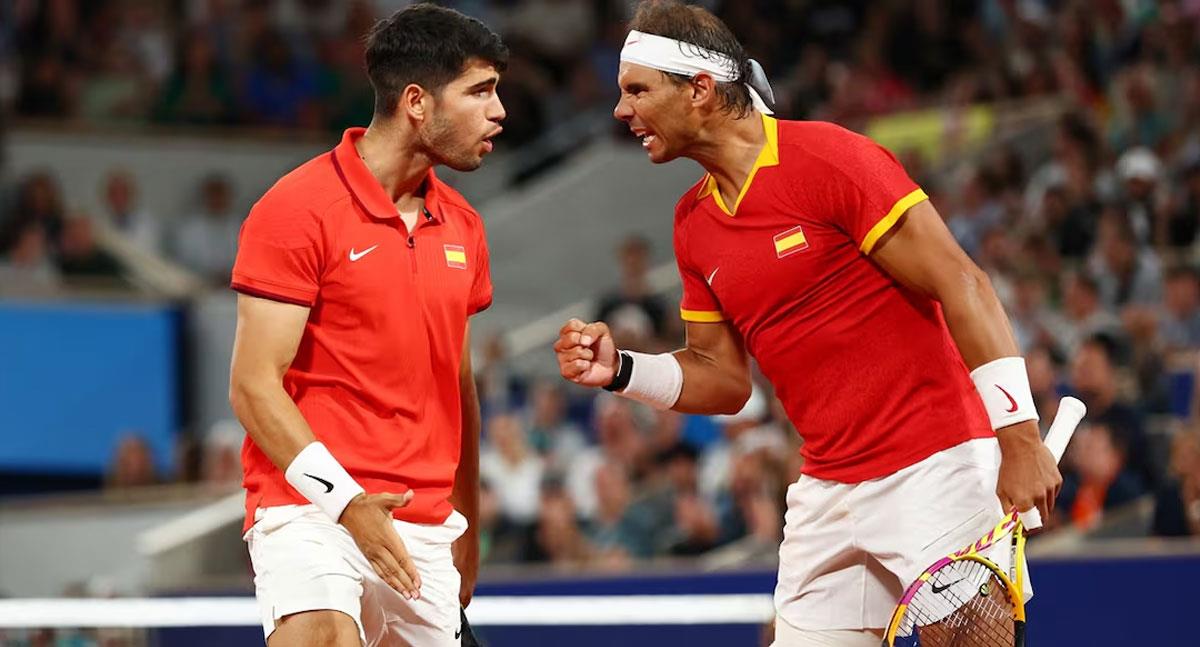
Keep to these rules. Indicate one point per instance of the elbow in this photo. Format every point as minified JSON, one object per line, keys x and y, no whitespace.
{"x":243,"y":391}
{"x":736,"y":397}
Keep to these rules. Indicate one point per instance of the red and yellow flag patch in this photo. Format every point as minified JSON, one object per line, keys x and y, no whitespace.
{"x":456,"y":256}
{"x":789,"y":242}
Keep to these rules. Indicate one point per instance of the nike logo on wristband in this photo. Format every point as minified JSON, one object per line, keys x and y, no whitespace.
{"x":327,"y":484}
{"x":1011,"y":401}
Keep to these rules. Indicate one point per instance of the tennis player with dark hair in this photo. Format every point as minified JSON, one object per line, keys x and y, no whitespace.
{"x":356,"y":275}
{"x":808,"y":247}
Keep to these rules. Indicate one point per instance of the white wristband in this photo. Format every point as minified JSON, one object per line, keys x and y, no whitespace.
{"x":322,"y":480}
{"x":1003,"y":385}
{"x":656,"y":380}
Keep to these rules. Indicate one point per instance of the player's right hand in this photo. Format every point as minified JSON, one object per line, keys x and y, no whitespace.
{"x":586,"y":353}
{"x":368,"y":519}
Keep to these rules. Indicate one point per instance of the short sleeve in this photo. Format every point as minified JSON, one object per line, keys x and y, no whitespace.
{"x":869,"y":190}
{"x":699,"y":304}
{"x":280,"y":255}
{"x":481,"y":286}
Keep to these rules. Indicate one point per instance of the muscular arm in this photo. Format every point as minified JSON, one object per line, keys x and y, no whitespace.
{"x":920,"y":253}
{"x":465,"y":496}
{"x":268,"y":334}
{"x":716,"y":372}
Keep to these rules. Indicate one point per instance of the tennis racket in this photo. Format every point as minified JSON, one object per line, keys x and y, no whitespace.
{"x":965,"y":599}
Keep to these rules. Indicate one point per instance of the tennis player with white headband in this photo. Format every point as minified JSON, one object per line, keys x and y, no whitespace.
{"x":809,"y":248}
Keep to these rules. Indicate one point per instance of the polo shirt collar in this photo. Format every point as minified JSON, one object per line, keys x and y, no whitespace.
{"x":365,"y":187}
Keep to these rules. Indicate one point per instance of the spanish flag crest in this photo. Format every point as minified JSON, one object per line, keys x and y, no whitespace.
{"x":789,"y":242}
{"x":456,"y":256}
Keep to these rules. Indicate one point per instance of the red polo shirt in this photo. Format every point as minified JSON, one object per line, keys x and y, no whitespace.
{"x":867,"y":369}
{"x":376,"y":374}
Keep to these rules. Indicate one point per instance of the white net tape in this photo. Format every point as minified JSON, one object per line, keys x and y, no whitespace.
{"x":484,"y":611}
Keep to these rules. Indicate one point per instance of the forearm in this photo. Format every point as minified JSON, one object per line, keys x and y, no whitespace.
{"x":977,"y":320}
{"x":711,"y":387}
{"x":981,"y":330}
{"x":271,"y":419}
{"x":465,"y":495}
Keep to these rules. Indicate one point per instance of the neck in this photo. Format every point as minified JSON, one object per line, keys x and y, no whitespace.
{"x":727,"y":148}
{"x":394,"y":156}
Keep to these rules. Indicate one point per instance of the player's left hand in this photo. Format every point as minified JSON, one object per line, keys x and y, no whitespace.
{"x":1029,"y":476}
{"x":466,"y":560}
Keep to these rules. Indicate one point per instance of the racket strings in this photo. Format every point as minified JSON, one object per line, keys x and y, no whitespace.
{"x":963,"y":605}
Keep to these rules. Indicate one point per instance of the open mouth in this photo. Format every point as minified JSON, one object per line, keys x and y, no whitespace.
{"x":646,"y":136}
{"x":488,"y":144}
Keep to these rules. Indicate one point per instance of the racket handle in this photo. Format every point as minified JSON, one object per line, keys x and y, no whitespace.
{"x":1070,"y":413}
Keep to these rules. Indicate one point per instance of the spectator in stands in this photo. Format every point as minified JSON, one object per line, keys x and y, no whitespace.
{"x":612,"y":532}
{"x":1177,"y":504}
{"x":1140,"y":171}
{"x":620,"y":443}
{"x":554,"y":437}
{"x":206,"y":241}
{"x":1084,"y":314}
{"x":118,"y":89}
{"x":1094,"y":379}
{"x":221,"y":459}
{"x":557,"y":538}
{"x":279,"y":89}
{"x":1181,"y":219}
{"x":513,"y":469}
{"x":1099,"y":477}
{"x":637,"y":317}
{"x":132,"y":464}
{"x":200,"y":90}
{"x":1179,"y":325}
{"x":82,"y":261}
{"x":500,"y":387}
{"x":27,"y":266}
{"x":1127,"y":274}
{"x":38,"y":201}
{"x":122,"y":212}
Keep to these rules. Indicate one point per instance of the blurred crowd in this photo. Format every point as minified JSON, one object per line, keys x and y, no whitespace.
{"x":1093,"y":249}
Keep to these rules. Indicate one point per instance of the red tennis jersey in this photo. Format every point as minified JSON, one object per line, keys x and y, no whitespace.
{"x":867,"y":369}
{"x":376,"y":374}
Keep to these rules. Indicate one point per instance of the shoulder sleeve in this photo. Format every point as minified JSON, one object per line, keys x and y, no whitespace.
{"x":481,"y":286}
{"x":868,"y":190}
{"x":280,"y":255}
{"x":699,"y":304}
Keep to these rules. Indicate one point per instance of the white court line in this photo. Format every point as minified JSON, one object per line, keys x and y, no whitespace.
{"x":754,"y":608}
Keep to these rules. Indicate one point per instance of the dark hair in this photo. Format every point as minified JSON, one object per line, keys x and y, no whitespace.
{"x":694,"y":25}
{"x":427,"y":45}
{"x":1106,"y":344}
{"x":1181,"y":271}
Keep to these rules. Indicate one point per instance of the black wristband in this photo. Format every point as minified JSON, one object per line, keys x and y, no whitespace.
{"x":624,"y":372}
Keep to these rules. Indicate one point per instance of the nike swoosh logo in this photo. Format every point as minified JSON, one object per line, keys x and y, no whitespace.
{"x":1011,"y":401}
{"x":354,"y":256}
{"x":327,"y":484}
{"x":712,"y":276}
{"x":938,"y":589}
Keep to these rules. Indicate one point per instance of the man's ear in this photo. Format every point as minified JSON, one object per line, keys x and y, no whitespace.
{"x":414,"y":101}
{"x":704,"y":89}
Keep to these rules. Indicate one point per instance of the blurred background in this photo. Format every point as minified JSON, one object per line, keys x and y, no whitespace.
{"x":1060,"y":139}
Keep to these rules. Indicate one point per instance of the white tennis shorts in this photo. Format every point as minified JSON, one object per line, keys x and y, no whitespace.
{"x":305,"y":562}
{"x":850,"y":549}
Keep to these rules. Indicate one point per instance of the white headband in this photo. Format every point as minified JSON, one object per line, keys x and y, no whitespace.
{"x":678,"y":57}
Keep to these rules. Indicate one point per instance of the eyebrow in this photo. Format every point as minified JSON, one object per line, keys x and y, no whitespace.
{"x":484,"y":84}
{"x":634,"y":88}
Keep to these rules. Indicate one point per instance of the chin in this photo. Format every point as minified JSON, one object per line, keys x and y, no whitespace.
{"x":464,"y":164}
